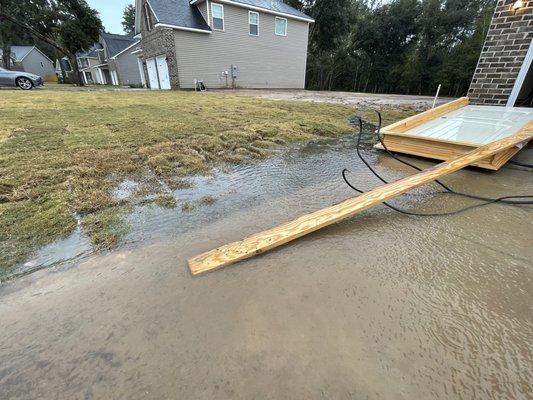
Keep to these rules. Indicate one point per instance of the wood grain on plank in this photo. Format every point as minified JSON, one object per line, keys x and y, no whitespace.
{"x":308,"y":223}
{"x":419,"y":119}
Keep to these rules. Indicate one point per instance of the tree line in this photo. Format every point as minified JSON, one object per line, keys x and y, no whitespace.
{"x":395,"y":46}
{"x":379,"y":46}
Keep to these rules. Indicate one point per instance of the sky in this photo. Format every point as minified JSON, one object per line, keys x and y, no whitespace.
{"x":110,"y":13}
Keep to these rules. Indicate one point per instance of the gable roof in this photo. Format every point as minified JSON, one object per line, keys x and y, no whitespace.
{"x":117,"y":43}
{"x":273,"y":6}
{"x":19,"y":53}
{"x":178,"y":13}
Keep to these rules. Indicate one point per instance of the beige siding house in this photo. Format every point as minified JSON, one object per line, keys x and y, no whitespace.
{"x":223,"y":44}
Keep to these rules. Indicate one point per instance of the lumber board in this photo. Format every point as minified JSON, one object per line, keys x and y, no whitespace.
{"x":433,"y":149}
{"x":418,"y":119}
{"x":267,"y":240}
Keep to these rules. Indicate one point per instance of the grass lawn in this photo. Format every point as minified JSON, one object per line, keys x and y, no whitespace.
{"x":62,"y":152}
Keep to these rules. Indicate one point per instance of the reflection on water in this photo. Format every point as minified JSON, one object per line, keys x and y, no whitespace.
{"x":380,"y":306}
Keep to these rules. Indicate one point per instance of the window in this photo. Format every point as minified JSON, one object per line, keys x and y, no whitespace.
{"x":253,"y":21}
{"x":218,"y":16}
{"x":281,"y":26}
{"x":147,"y":18}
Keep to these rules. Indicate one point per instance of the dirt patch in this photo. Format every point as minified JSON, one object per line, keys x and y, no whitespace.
{"x":363,"y":100}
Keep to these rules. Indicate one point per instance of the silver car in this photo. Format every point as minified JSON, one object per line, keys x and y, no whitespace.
{"x":23,"y":80}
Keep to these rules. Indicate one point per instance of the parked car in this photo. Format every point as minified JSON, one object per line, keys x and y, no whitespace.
{"x":23,"y":80}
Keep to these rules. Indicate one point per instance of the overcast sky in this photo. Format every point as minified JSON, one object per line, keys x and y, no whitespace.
{"x":110,"y":13}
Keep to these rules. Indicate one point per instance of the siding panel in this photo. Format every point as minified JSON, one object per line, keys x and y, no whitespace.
{"x":266,"y":61}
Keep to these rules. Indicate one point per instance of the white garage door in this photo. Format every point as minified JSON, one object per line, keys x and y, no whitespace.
{"x":162,"y":69}
{"x":152,"y":73}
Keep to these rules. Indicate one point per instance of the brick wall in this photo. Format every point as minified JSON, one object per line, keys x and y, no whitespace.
{"x":157,"y":42}
{"x":503,"y":53}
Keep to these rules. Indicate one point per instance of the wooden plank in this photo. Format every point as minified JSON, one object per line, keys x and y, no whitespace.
{"x":419,"y":119}
{"x":306,"y":224}
{"x":428,"y":148}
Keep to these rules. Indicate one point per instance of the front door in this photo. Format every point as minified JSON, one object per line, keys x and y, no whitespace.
{"x":152,"y":73}
{"x":162,"y":69}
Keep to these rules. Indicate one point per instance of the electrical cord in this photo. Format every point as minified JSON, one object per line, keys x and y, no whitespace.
{"x":521,"y":164}
{"x":486,"y":200}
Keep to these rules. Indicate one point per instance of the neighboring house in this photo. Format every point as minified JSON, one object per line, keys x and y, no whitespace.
{"x":122,"y":66}
{"x":225,"y":43}
{"x":108,"y":62}
{"x":31,"y":59}
{"x":503,"y":75}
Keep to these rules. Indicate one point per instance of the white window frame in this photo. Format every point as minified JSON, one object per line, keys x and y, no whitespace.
{"x":250,"y":22}
{"x":213,"y":17}
{"x":286,"y":26}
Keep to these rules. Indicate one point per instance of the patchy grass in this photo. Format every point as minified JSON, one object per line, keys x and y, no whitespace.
{"x":62,"y":152}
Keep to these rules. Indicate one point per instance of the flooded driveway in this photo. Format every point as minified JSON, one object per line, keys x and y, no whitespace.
{"x":382,"y":306}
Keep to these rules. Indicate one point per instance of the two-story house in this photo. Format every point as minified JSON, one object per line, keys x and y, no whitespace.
{"x":110,"y":61}
{"x":224,"y":43}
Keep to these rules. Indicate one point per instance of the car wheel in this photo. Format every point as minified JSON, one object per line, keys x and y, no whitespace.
{"x":24,"y":83}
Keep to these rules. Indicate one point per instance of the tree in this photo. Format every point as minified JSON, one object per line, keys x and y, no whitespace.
{"x":128,"y":19}
{"x":69,"y":26}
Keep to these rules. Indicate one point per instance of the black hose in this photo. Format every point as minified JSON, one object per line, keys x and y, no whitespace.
{"x":486,"y":200}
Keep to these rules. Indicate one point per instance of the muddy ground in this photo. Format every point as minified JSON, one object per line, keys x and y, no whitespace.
{"x":382,"y":306}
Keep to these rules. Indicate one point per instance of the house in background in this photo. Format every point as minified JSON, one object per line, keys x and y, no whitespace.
{"x":224,"y":43}
{"x":108,"y":62}
{"x":32,"y":60}
{"x":503,"y":75}
{"x":119,"y":66}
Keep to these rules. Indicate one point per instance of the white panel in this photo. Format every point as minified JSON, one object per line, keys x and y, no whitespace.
{"x":152,"y":73}
{"x":475,"y":124}
{"x":162,"y":69}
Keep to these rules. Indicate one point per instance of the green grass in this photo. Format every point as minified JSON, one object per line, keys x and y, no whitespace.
{"x":63,"y":152}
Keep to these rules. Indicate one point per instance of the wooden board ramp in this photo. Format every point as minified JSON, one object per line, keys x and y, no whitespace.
{"x":272,"y":238}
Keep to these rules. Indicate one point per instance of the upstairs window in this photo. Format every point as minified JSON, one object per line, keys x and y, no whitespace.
{"x":218,"y":16}
{"x":253,"y":22}
{"x":281,"y":26}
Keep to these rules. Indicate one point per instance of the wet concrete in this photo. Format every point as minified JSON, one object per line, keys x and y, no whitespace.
{"x":382,"y":306}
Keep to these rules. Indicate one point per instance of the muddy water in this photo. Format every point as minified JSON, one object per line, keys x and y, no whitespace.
{"x":382,"y":306}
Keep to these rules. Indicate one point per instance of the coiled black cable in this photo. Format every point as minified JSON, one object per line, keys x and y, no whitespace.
{"x":486,"y":200}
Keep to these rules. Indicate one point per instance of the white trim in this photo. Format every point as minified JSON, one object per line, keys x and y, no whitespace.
{"x":286,"y":26}
{"x":141,"y":71}
{"x":250,"y":24}
{"x":207,"y":6}
{"x":182,"y":28}
{"x":521,"y":77}
{"x":114,"y":78}
{"x":28,"y":53}
{"x":213,"y":17}
{"x":265,"y":10}
{"x":137,"y":36}
{"x":138,"y":51}
{"x":153,"y":12}
{"x":126,"y":49}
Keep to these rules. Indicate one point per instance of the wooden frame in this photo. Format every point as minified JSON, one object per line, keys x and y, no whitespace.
{"x":396,"y":139}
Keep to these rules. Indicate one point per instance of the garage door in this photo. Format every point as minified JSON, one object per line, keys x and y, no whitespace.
{"x":162,"y":69}
{"x":152,"y":73}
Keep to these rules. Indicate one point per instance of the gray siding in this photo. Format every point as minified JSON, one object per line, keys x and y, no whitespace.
{"x":128,"y":69}
{"x":266,"y":61}
{"x":32,"y":64}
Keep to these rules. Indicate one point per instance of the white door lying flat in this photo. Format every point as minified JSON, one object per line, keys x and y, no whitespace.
{"x":162,"y":69}
{"x":152,"y":73}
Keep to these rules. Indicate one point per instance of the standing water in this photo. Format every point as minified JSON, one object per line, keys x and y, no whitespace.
{"x":381,"y":306}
